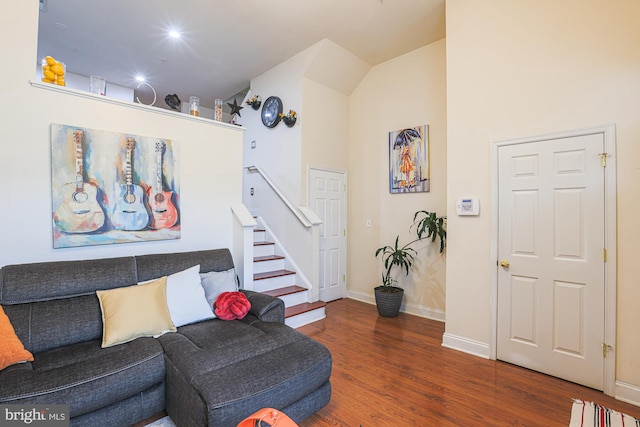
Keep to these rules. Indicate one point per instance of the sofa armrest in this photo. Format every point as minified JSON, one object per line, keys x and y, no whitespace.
{"x":265,"y":307}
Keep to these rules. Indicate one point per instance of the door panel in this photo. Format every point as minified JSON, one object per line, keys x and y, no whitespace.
{"x":551,"y":226}
{"x":328,"y":199}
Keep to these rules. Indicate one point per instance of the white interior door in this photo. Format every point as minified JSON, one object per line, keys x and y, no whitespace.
{"x":551,"y":296}
{"x":328,"y":199}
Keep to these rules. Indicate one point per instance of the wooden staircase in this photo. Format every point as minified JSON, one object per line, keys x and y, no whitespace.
{"x":273,"y":276}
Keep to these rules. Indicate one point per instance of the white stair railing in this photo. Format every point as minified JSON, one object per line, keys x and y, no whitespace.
{"x":243,"y":226}
{"x":297,"y":228}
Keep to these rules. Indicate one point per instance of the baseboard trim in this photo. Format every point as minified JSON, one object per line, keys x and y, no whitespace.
{"x":466,"y":345}
{"x":628,"y":393}
{"x":416,"y":310}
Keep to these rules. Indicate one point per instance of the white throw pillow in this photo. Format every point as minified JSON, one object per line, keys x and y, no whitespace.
{"x":217,"y":282}
{"x":186,"y":298}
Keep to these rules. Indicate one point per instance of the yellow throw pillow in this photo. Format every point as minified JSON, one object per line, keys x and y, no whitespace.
{"x":135,"y":311}
{"x":11,"y":349}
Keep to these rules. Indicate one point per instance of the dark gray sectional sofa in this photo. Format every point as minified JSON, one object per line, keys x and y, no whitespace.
{"x":211,"y":373}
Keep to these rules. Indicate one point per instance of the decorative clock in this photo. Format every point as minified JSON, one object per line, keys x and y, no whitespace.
{"x":271,"y":110}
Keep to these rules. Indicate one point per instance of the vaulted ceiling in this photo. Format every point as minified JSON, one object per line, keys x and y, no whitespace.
{"x":223,"y":44}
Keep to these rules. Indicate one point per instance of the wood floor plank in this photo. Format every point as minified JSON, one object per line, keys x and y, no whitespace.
{"x":395,"y":372}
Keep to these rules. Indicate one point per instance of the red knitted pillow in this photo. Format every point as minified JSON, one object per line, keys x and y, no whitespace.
{"x":231,"y":306}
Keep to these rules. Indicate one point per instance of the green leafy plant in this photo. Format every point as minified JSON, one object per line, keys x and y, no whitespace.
{"x":431,"y":226}
{"x":399,"y":256}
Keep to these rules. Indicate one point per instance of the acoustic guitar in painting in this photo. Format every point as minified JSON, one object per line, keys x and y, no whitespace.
{"x":129,"y":212}
{"x":163,"y":212}
{"x":79,"y":211}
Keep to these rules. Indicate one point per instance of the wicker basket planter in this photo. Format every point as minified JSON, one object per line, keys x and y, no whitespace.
{"x":388,"y":300}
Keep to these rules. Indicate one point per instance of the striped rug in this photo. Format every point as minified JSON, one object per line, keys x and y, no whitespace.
{"x":589,"y":414}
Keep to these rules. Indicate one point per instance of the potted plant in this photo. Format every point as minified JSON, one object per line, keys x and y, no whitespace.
{"x":388,"y":296}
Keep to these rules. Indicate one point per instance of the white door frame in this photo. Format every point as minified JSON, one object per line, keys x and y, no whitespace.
{"x":609,"y":136}
{"x":309,"y":191}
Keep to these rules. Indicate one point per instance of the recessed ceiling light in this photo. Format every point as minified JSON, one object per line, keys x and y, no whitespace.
{"x":175,"y":34}
{"x":140,"y":78}
{"x":60,"y":26}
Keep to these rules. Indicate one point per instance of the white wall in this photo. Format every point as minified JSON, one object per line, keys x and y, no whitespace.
{"x":211,"y":157}
{"x":278,"y":149}
{"x":316,"y":84}
{"x":319,"y":138}
{"x":525,"y":68}
{"x":325,"y":131}
{"x":406,"y":91}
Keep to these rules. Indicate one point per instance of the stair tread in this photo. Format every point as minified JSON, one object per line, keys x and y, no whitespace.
{"x":267,"y":258}
{"x":288,"y":290}
{"x":303,"y":308}
{"x":263,"y":243}
{"x":258,"y":230}
{"x":270,"y":274}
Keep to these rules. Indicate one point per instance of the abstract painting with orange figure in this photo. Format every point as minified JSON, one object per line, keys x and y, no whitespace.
{"x":409,"y":160}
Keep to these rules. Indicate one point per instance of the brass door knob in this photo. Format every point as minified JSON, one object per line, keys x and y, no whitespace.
{"x":504,"y":263}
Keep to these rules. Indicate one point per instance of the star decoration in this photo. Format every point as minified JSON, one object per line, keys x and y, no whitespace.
{"x":235,"y":108}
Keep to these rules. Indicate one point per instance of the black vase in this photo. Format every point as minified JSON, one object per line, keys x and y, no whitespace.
{"x":388,"y":300}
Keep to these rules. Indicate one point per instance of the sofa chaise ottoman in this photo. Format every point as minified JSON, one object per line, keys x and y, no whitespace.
{"x":206,"y":373}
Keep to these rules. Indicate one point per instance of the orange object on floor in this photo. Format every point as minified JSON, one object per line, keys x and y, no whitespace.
{"x":267,"y":417}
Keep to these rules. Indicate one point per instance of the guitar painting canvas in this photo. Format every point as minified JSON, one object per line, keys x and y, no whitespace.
{"x":163,"y":212}
{"x":130,"y":212}
{"x":110,"y":187}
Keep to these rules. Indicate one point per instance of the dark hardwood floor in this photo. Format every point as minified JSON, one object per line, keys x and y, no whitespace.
{"x":394,"y":372}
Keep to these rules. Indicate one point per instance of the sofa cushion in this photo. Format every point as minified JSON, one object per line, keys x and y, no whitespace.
{"x":142,"y":406}
{"x":12,"y":350}
{"x":186,"y":299}
{"x":46,"y":325}
{"x":53,"y":304}
{"x":217,"y":282}
{"x":135,"y":311}
{"x":158,"y":265}
{"x":85,"y":376}
{"x":45,"y":281}
{"x":236,"y":368}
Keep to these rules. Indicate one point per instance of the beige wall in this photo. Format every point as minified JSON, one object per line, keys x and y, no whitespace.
{"x":325,"y":131}
{"x":525,"y":68}
{"x":404,"y":92}
{"x":207,"y":192}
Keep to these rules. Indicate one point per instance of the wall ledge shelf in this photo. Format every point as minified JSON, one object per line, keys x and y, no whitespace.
{"x":133,"y":105}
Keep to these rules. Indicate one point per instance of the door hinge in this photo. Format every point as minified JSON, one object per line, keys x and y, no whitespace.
{"x":344,"y":232}
{"x":604,"y":254}
{"x":605,"y":349}
{"x":603,"y":159}
{"x":344,"y":277}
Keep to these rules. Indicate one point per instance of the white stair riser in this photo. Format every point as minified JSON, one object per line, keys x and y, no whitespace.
{"x":306,"y":318}
{"x":274,"y":283}
{"x":263,"y":250}
{"x":273,"y":265}
{"x":281,"y":281}
{"x":294,"y":299}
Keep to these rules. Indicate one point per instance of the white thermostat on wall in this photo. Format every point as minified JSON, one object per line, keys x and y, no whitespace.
{"x":468,"y":206}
